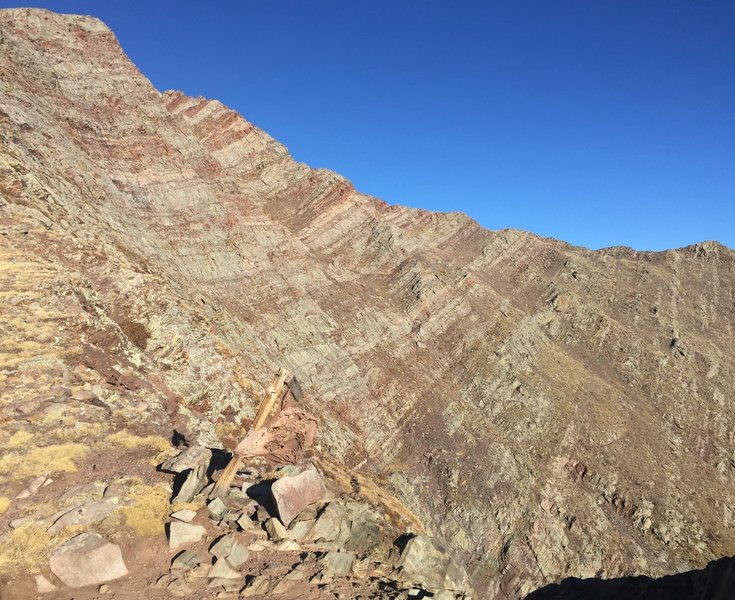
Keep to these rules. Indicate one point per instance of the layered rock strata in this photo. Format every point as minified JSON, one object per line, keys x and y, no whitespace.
{"x":546,"y":410}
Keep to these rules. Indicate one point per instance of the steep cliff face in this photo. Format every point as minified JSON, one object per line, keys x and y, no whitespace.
{"x":547,"y":410}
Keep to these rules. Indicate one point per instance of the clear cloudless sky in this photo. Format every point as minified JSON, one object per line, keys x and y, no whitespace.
{"x":600,"y":122}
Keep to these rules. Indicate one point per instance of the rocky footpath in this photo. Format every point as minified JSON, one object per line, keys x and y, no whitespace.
{"x":547,"y":411}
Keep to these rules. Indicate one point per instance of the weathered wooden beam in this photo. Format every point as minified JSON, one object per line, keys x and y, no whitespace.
{"x":273,"y":394}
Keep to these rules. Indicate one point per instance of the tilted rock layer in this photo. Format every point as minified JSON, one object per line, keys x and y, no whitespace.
{"x":546,"y":410}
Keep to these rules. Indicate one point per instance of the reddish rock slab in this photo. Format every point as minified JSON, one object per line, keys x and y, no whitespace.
{"x":294,"y":494}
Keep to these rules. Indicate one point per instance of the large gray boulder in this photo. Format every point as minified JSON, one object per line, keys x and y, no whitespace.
{"x":87,"y":559}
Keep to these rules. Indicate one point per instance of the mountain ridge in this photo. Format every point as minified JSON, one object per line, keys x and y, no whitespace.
{"x":485,"y":379}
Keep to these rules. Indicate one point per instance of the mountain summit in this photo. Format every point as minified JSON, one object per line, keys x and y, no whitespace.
{"x":538,"y":410}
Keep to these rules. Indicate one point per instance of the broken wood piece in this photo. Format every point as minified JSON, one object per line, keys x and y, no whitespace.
{"x":283,"y":439}
{"x":273,"y":393}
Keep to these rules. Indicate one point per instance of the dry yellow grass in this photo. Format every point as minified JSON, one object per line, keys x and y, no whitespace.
{"x":149,"y":510}
{"x":372,"y":493}
{"x":246,"y":385}
{"x":24,"y":548}
{"x":37,"y":461}
{"x":4,"y":504}
{"x":19,"y":439}
{"x":132,"y":441}
{"x":27,"y":547}
{"x":29,"y":321}
{"x":78,"y":430}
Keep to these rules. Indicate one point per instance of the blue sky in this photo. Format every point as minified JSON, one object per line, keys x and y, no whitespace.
{"x":597,"y":122}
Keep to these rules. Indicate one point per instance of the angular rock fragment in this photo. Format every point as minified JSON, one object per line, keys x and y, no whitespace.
{"x":365,"y":534}
{"x":229,"y":548}
{"x":299,"y":530}
{"x":191,"y":458}
{"x":285,"y":586}
{"x":184,"y":561}
{"x":87,"y":559}
{"x":84,"y":493}
{"x":292,"y":494}
{"x":333,"y":524}
{"x":229,"y":585}
{"x":186,"y":515}
{"x":183,"y":534}
{"x":287,"y":546}
{"x":194,"y":482}
{"x":34,"y":485}
{"x":178,"y":587}
{"x":223,"y":570}
{"x":256,"y":586}
{"x":245,"y":522}
{"x":43,"y":585}
{"x":217,"y":509}
{"x":276,"y":530}
{"x":339,"y":563}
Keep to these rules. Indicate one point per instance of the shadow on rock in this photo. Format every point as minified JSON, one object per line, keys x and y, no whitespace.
{"x":715,"y":582}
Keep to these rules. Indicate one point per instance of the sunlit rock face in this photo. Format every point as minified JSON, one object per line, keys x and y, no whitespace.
{"x":545,"y":410}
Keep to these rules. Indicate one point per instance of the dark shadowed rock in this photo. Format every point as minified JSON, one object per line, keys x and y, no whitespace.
{"x":194,"y":481}
{"x":715,"y":582}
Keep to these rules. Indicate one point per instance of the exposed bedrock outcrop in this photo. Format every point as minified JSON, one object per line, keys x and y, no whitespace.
{"x":545,"y":410}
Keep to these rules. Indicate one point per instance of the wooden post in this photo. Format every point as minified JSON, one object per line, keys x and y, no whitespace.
{"x":272,"y":395}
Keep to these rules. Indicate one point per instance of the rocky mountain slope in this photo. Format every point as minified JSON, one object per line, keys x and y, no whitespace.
{"x":545,"y":411}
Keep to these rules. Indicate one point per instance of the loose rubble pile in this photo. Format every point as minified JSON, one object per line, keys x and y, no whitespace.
{"x":282,"y":535}
{"x":279,"y":533}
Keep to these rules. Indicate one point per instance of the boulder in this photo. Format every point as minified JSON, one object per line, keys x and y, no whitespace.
{"x":424,"y":562}
{"x":86,"y":514}
{"x":194,"y":482}
{"x":185,"y":561}
{"x":338,"y":563}
{"x":186,"y":515}
{"x":87,"y":559}
{"x":182,"y":534}
{"x":292,"y":494}
{"x":191,"y":458}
